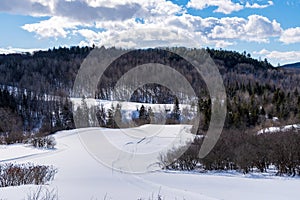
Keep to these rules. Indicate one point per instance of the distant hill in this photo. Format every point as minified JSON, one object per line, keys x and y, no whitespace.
{"x":254,"y":88}
{"x":292,"y":65}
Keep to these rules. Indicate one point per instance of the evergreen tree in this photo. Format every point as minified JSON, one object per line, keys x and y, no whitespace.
{"x":142,"y":112}
{"x":118,"y":117}
{"x":82,"y":115}
{"x":151,"y":115}
{"x":67,"y":114}
{"x":110,"y":117}
{"x":78,"y":114}
{"x":205,"y":110}
{"x":93,"y":116}
{"x":101,"y":116}
{"x":176,"y":111}
{"x":143,"y":116}
{"x":85,"y":113}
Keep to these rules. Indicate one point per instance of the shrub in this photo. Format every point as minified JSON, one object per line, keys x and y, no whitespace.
{"x":23,"y":174}
{"x":42,"y":193}
{"x":242,"y":151}
{"x":183,"y":157}
{"x":47,"y":142}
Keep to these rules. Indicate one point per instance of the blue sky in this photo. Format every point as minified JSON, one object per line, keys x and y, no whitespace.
{"x":264,"y":28}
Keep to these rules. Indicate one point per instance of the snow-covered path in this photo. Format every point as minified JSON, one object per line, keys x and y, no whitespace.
{"x":80,"y":176}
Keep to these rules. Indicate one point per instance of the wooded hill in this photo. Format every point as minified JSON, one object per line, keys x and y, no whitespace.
{"x":293,"y":65}
{"x":35,"y":88}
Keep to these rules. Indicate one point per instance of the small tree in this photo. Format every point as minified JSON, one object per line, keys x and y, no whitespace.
{"x":118,"y":116}
{"x":151,"y":115}
{"x":82,"y":114}
{"x":110,"y":123}
{"x":176,"y":110}
{"x":101,"y":116}
{"x":175,"y":115}
{"x":85,"y":113}
{"x":67,"y":114}
{"x":143,"y":116}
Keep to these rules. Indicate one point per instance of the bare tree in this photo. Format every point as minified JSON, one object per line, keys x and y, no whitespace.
{"x":10,"y":126}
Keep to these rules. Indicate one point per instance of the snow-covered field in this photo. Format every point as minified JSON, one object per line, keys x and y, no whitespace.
{"x":81,"y":176}
{"x":128,"y":108}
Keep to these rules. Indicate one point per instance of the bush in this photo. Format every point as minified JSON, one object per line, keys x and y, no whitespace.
{"x":23,"y":174}
{"x":47,"y":142}
{"x":175,"y":159}
{"x":245,"y":152}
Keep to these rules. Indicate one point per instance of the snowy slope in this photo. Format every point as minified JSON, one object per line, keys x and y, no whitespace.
{"x":80,"y":176}
{"x":279,"y":129}
{"x":17,"y":151}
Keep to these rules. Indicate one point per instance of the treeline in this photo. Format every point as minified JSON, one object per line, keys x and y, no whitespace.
{"x":239,"y":150}
{"x":24,"y":114}
{"x":54,"y":71}
{"x":230,"y":59}
{"x":44,"y":72}
{"x":254,"y":106}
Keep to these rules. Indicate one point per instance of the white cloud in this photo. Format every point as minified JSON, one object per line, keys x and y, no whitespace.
{"x":184,"y":30}
{"x":260,"y":28}
{"x":223,"y":43}
{"x":141,"y":36}
{"x":229,"y":28}
{"x":206,"y":31}
{"x":160,"y":23}
{"x":282,"y":57}
{"x":255,"y":28}
{"x":170,"y":29}
{"x":223,"y":6}
{"x":91,"y":37}
{"x":291,"y":35}
{"x":160,"y":7}
{"x":258,"y":6}
{"x":54,"y":27}
{"x":66,"y":15}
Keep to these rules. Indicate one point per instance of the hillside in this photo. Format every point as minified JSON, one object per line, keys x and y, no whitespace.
{"x":293,"y":65}
{"x":81,"y":176}
{"x":54,"y":71}
{"x":42,"y":83}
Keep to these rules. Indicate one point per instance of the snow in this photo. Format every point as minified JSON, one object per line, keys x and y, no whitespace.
{"x":19,"y":151}
{"x":125,"y":105}
{"x":279,"y":129}
{"x":128,"y":108}
{"x":81,"y":176}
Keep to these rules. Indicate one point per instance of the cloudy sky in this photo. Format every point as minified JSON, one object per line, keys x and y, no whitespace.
{"x":266,"y":29}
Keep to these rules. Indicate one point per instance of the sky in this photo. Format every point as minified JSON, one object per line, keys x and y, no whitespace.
{"x":263,"y":28}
